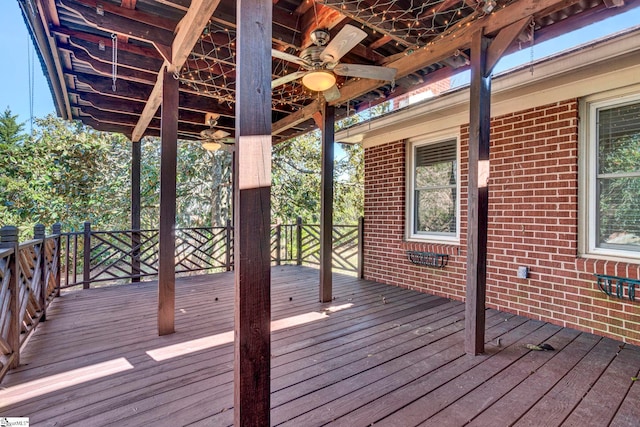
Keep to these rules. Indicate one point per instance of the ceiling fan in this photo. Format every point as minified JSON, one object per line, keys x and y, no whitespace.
{"x":320,"y":62}
{"x":213,"y":139}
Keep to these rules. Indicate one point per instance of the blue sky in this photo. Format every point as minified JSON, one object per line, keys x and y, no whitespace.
{"x":15,"y":45}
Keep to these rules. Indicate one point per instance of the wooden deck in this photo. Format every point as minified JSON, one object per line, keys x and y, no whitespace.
{"x":376,"y":355}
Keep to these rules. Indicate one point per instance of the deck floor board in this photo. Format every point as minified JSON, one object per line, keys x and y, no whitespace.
{"x":375,"y":355}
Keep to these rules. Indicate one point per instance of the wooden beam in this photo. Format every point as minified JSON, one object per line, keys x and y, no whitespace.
{"x":252,"y":211}
{"x":167,"y":239}
{"x":188,"y":31}
{"x":150,"y":108}
{"x":326,"y":201}
{"x":478,"y":197}
{"x":503,"y":40}
{"x":119,"y":24}
{"x":447,"y":46}
{"x":302,"y":115}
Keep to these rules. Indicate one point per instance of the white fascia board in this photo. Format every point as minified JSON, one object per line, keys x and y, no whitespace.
{"x":603,"y":65}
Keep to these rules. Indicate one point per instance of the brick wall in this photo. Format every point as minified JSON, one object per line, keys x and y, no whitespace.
{"x":533,"y":222}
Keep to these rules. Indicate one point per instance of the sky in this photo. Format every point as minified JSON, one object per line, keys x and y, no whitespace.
{"x":16,"y":48}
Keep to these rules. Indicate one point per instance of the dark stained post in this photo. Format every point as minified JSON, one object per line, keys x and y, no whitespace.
{"x":136,"y":155}
{"x":228,"y":245}
{"x":56,"y":230}
{"x":167,"y":238}
{"x":299,"y":241}
{"x":40,"y":234}
{"x":478,"y":201}
{"x":86,"y":264}
{"x":326,"y":205}
{"x":9,"y":240}
{"x":252,"y":246}
{"x":361,"y":247}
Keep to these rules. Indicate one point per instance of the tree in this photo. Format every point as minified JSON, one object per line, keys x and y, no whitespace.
{"x":10,"y":130}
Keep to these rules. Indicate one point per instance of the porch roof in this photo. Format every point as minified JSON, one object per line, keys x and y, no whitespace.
{"x":425,"y":41}
{"x":375,"y":355}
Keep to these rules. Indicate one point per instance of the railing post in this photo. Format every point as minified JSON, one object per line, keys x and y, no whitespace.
{"x":228,"y":249}
{"x":278,"y":245}
{"x":9,"y":240}
{"x":56,"y":230}
{"x":135,"y":255}
{"x":39,"y":234}
{"x":86,"y":265}
{"x":299,"y":241}
{"x":361,"y":247}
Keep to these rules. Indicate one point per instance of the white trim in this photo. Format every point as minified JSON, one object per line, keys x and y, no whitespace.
{"x":436,"y":137}
{"x":587,"y":209}
{"x":600,"y":66}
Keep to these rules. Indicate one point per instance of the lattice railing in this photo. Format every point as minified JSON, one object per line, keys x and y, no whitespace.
{"x":29,"y":280}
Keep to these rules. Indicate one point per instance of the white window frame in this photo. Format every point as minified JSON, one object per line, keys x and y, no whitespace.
{"x":411,"y":144}
{"x":587,"y":174}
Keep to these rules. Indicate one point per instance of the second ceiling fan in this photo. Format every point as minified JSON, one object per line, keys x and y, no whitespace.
{"x":320,"y":62}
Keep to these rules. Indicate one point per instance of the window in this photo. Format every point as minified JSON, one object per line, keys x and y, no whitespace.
{"x":613,"y":196}
{"x":432,"y":211}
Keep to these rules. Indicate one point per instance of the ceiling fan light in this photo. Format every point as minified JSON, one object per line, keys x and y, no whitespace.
{"x":319,"y":80}
{"x":211,"y":146}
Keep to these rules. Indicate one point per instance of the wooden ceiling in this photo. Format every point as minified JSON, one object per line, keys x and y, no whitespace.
{"x":84,"y":44}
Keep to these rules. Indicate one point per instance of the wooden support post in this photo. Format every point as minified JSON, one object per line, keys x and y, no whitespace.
{"x":56,"y":230}
{"x":86,"y":264}
{"x":478,"y":201}
{"x":9,"y":240}
{"x":136,"y":155}
{"x":39,"y":234}
{"x":167,"y":238}
{"x":326,"y":203}
{"x":252,"y":210}
{"x":361,"y":247}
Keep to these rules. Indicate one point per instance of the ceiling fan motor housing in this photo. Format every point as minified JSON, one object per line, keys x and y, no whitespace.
{"x":312,"y":56}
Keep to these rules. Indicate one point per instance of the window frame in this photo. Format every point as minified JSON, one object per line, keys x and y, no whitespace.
{"x":588,"y":174}
{"x":410,"y":217}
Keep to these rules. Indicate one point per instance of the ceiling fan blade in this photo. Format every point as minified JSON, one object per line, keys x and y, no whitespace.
{"x":348,"y":37}
{"x":227,"y":141}
{"x":219,"y":134}
{"x":367,"y":71}
{"x":331,"y":94}
{"x":286,"y":79}
{"x":288,"y":57}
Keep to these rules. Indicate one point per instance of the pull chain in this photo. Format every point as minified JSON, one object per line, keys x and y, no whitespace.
{"x":114,"y":60}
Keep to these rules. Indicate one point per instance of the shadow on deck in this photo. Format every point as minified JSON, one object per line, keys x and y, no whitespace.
{"x":376,"y":355}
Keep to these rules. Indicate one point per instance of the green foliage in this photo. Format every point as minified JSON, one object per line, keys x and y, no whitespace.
{"x":10,"y":130}
{"x":296,"y":180}
{"x":68,"y":173}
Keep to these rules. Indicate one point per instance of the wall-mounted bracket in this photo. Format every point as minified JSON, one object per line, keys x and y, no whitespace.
{"x":615,"y":286}
{"x":429,"y":259}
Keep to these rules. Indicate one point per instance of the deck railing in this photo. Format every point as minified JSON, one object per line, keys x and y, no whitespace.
{"x":29,"y":280}
{"x":91,"y":257}
{"x":33,"y":272}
